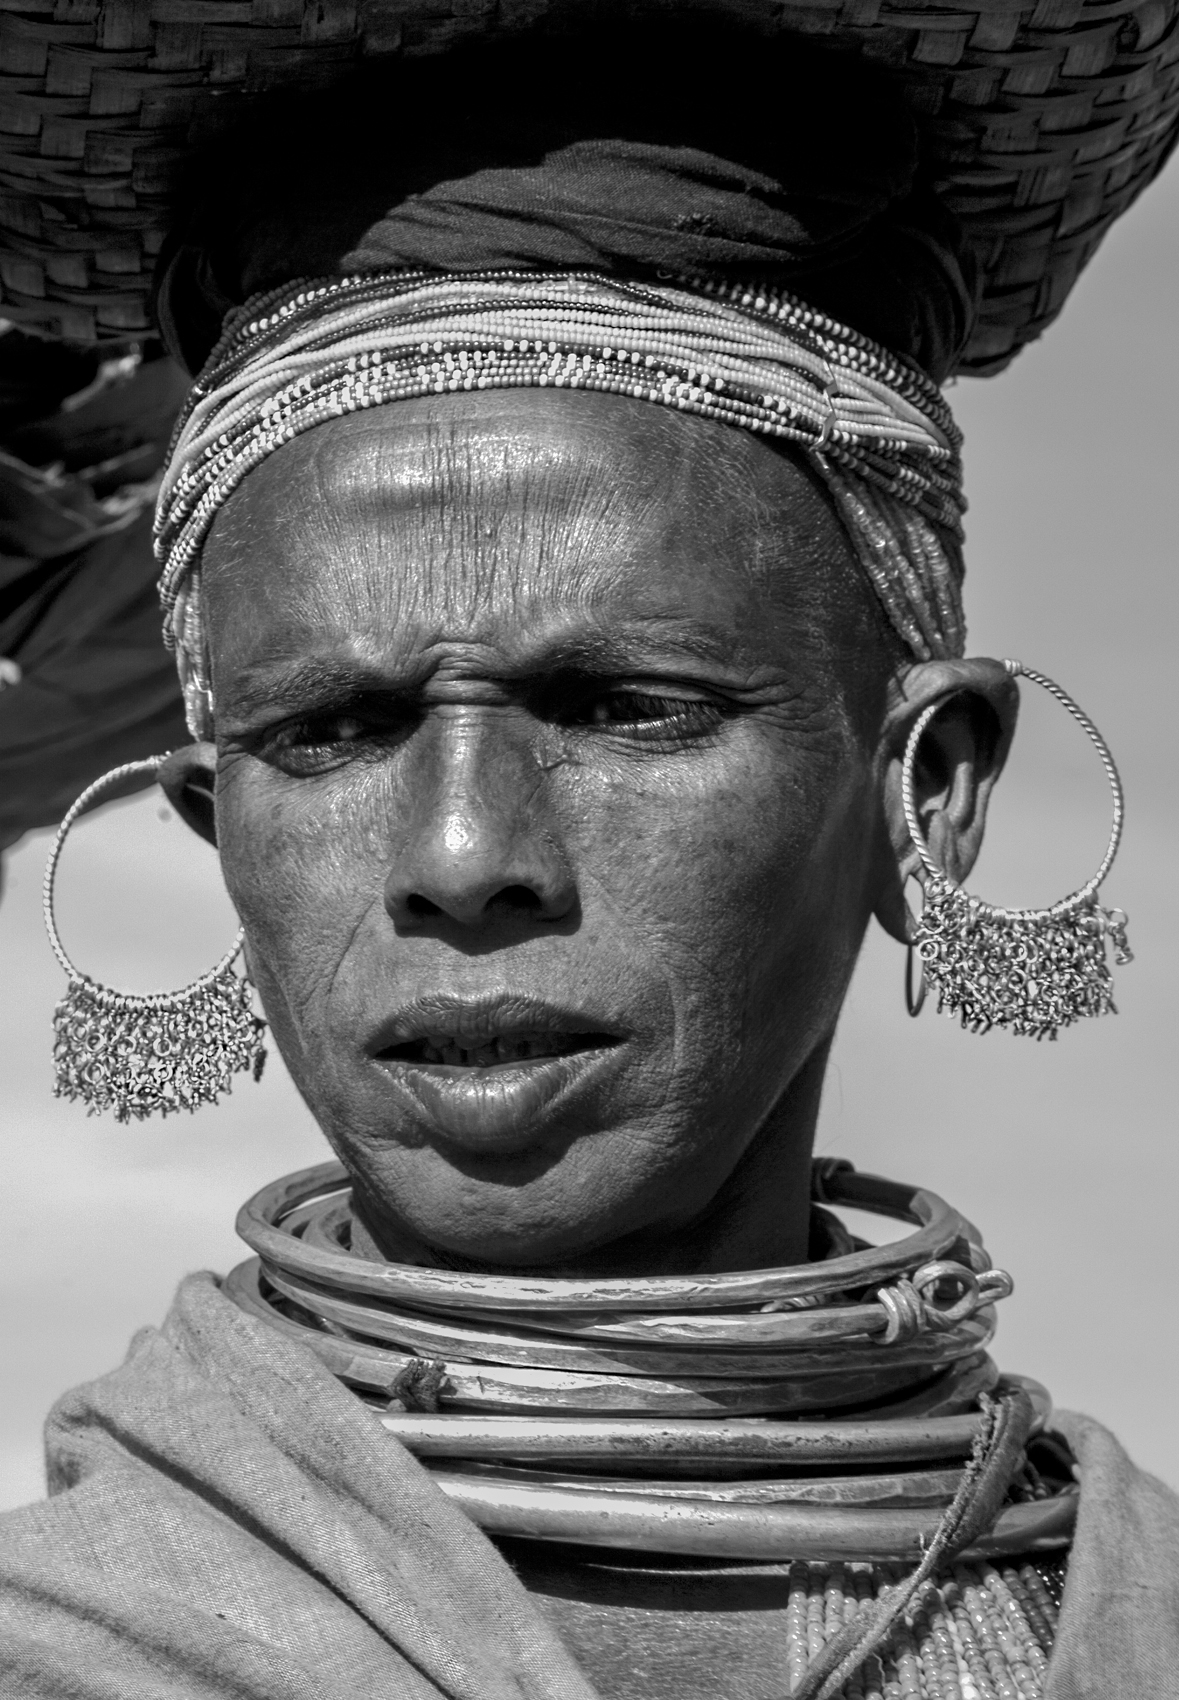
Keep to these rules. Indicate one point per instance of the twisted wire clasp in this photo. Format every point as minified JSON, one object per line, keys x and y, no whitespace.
{"x":914,"y":1302}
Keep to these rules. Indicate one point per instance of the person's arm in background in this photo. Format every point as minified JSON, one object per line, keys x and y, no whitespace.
{"x":85,"y":681}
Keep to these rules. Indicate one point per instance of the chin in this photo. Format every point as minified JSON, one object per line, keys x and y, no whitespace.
{"x":478,"y":1226}
{"x":534,"y":1209}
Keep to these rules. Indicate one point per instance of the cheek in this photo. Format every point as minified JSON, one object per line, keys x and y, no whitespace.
{"x":745,"y":875}
{"x":303,"y":865}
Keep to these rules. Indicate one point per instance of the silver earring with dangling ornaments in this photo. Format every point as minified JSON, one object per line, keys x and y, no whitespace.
{"x":144,"y":1055}
{"x":1033,"y":971}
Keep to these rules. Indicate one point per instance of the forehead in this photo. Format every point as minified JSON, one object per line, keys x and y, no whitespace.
{"x":505,"y":517}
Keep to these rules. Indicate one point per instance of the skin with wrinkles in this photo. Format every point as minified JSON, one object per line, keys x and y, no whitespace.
{"x":534,"y":696}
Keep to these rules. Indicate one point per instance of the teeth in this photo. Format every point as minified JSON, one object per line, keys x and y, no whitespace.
{"x":523,"y":1049}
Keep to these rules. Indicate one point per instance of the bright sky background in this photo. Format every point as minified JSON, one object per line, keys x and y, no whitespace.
{"x":1065,"y":1154}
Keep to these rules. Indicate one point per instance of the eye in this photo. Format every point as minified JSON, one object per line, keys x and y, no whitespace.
{"x":645,"y":713}
{"x":319,"y":742}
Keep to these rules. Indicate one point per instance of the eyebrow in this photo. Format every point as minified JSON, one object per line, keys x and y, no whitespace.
{"x":312,"y":681}
{"x":306,"y":682}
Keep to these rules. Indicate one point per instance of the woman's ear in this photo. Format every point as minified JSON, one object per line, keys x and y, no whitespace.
{"x":961,"y":755}
{"x":188,"y":779}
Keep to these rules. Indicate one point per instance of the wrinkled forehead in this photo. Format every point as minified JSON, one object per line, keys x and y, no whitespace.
{"x":501,"y":516}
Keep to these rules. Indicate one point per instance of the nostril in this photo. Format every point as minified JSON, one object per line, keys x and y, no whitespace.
{"x":506,"y":903}
{"x":517,"y":897}
{"x":421,"y":907}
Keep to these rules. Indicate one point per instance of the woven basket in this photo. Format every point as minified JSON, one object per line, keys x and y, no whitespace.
{"x":1043,"y":118}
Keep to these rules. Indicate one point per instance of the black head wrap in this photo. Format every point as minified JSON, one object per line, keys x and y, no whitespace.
{"x":674,"y":149}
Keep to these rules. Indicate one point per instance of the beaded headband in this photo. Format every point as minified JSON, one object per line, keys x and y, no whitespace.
{"x":876,"y":429}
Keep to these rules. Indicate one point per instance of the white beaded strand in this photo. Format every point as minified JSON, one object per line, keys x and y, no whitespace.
{"x":878,"y":431}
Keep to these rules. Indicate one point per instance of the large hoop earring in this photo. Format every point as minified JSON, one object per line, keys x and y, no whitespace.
{"x":143,"y":1055}
{"x":1031,"y":970}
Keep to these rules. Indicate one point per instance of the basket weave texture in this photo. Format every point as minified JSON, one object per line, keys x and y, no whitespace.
{"x":1043,"y":119}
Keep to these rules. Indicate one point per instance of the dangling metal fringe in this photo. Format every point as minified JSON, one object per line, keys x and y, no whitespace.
{"x":1006,"y":970}
{"x":146,"y":1056}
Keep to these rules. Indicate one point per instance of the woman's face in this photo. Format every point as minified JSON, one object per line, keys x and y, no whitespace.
{"x":548,"y":795}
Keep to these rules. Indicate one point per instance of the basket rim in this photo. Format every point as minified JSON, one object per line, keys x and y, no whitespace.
{"x":1042,"y":121}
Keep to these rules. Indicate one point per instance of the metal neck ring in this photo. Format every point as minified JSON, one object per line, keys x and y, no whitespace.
{"x":1085,"y":893}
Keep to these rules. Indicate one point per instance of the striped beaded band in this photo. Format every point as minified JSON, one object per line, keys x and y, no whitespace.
{"x":876,"y":429}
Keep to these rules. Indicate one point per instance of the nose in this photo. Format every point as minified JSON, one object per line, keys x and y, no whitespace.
{"x":476,"y":847}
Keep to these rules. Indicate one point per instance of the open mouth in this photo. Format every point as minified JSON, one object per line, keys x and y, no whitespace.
{"x":496,"y":1052}
{"x":487,"y":1075}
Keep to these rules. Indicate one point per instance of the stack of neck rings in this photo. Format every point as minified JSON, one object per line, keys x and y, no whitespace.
{"x":838,"y":1425}
{"x":874,"y":427}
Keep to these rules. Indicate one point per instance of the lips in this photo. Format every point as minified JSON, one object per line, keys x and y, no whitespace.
{"x":492,"y":1074}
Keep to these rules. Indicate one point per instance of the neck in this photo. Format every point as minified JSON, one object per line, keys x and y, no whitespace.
{"x":759,"y":1218}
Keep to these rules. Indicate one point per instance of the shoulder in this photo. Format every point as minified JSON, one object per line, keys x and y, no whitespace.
{"x":158,"y":1564}
{"x":1119,"y":1623}
{"x":229,"y":1520}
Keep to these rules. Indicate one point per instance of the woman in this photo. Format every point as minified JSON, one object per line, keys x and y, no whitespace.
{"x":564,"y":744}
